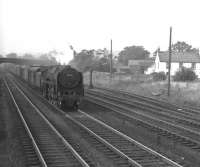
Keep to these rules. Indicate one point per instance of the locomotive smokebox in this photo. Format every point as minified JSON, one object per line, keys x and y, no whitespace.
{"x":69,"y":78}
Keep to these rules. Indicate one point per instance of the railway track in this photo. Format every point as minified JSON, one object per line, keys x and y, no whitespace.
{"x":122,"y":150}
{"x":183,"y":141}
{"x":50,"y":148}
{"x":166,"y":114}
{"x":162,"y":130}
{"x":131,"y":148}
{"x":188,"y":110}
{"x":190,"y":128}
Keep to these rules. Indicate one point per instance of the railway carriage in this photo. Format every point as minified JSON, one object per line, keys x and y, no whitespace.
{"x":34,"y":77}
{"x":16,"y":70}
{"x":24,"y":72}
{"x":38,"y":78}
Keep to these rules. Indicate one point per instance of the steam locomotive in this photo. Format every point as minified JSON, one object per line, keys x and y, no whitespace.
{"x":61,"y":85}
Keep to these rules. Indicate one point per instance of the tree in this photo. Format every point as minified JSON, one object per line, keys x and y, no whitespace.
{"x":28,"y":56}
{"x":84,"y":60}
{"x":132,"y":53}
{"x":11,"y":55}
{"x":103,"y":65}
{"x":185,"y":74}
{"x":183,"y":47}
{"x":49,"y":57}
{"x":160,"y":76}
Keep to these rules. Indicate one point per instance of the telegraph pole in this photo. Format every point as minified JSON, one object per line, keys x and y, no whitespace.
{"x":169,"y":62}
{"x":91,"y":71}
{"x":111,"y":64}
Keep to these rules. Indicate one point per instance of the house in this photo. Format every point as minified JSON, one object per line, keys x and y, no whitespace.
{"x":120,"y":68}
{"x":178,"y":60}
{"x":142,"y":66}
{"x":101,"y":53}
{"x":135,"y":66}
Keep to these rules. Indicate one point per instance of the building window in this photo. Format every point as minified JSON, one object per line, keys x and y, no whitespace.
{"x":167,"y":65}
{"x":180,"y":65}
{"x":193,"y":66}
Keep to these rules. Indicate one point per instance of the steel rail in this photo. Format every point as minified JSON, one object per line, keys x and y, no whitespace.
{"x":151,"y":107}
{"x":131,"y":162}
{"x":39,"y":154}
{"x":149,"y":124}
{"x":79,"y":158}
{"x":132,"y":140}
{"x":179,"y":108}
{"x":149,"y":117}
{"x":128,"y":138}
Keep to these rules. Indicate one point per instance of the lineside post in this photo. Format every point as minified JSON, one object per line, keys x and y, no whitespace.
{"x":169,"y":62}
{"x":111,"y":61}
{"x":91,"y":84}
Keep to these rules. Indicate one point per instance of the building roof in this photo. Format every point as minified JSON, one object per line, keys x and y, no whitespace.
{"x":119,"y":65}
{"x":141,"y":62}
{"x":181,"y":57}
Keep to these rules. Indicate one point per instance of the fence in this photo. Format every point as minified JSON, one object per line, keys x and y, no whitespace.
{"x":104,"y":79}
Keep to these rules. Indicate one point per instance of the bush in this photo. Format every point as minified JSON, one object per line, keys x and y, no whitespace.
{"x":160,"y":76}
{"x":185,"y":74}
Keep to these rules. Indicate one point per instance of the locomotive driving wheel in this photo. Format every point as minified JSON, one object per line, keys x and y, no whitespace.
{"x":58,"y":103}
{"x":76,"y":107}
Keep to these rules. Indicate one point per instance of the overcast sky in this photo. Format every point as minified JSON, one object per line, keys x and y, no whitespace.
{"x":42,"y":25}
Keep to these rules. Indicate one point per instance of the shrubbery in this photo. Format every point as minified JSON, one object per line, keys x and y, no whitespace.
{"x":159,"y":76}
{"x":185,"y":74}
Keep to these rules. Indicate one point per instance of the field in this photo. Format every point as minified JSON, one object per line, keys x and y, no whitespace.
{"x":182,"y":93}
